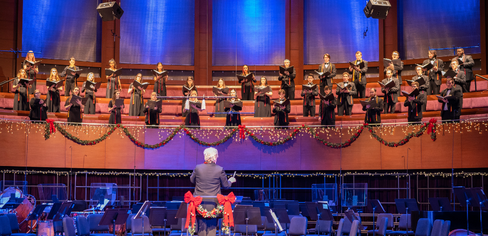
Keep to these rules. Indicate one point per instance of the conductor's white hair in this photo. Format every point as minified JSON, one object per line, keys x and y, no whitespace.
{"x":210,"y":154}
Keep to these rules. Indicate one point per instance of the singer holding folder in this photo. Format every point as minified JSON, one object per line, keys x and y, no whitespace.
{"x":113,"y":80}
{"x":53,"y":99}
{"x":115,"y":107}
{"x":21,"y":103}
{"x":31,"y":69}
{"x":209,"y":178}
{"x":136,"y":107}
{"x":74,"y":110}
{"x":71,"y":77}
{"x":247,"y":87}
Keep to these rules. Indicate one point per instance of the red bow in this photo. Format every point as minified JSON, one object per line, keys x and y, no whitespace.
{"x":193,"y":202}
{"x":227,"y":202}
{"x":242,"y":131}
{"x":431,"y":125}
{"x":52,"y":128}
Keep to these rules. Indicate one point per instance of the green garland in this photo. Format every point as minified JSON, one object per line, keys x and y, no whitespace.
{"x":216,"y":143}
{"x":149,"y":146}
{"x":279,"y":142}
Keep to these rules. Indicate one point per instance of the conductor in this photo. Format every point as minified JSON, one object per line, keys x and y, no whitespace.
{"x":208,"y":179}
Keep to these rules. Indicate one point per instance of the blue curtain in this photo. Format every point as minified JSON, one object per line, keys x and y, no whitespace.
{"x":437,"y":24}
{"x":248,"y":32}
{"x":153,"y":31}
{"x":339,"y":28}
{"x":60,"y":29}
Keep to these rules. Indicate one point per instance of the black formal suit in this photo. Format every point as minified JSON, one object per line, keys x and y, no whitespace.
{"x":327,"y":80}
{"x":467,"y":66}
{"x":415,"y":107}
{"x":435,"y":77}
{"x":344,"y":100}
{"x":397,"y":73}
{"x":423,"y":88}
{"x":391,"y":98}
{"x":452,"y":109}
{"x":373,"y":114}
{"x":309,"y":101}
{"x":208,"y":180}
{"x":288,"y":84}
{"x":359,"y":78}
{"x":327,"y":112}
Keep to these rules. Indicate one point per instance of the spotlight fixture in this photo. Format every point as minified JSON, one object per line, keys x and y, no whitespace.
{"x":378,"y":9}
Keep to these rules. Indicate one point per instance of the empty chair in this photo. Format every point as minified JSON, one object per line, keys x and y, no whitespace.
{"x":58,"y":227}
{"x":94,"y":220}
{"x":354,"y":228}
{"x":339,"y":228}
{"x":346,"y":227}
{"x":436,"y":229}
{"x":423,"y":227}
{"x":446,"y":227}
{"x":389,"y":227}
{"x":262,"y":226}
{"x":5,"y":225}
{"x":404,"y":226}
{"x":69,"y":226}
{"x":298,"y":226}
{"x":382,"y":223}
{"x":137,"y":226}
{"x":243,"y":230}
{"x":323,"y":227}
{"x":83,"y":226}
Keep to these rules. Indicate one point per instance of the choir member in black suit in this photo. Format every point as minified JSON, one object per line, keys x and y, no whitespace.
{"x":373,"y":113}
{"x":247,"y":87}
{"x":281,"y":109}
{"x":327,"y":66}
{"x":435,"y":74}
{"x":414,"y":105}
{"x":344,"y":95}
{"x":38,"y":107}
{"x":423,"y":88}
{"x":194,"y":107}
{"x":391,"y":94}
{"x":219,"y":103}
{"x":460,"y":78}
{"x":451,"y":102}
{"x":359,"y":75}
{"x":308,"y":94}
{"x":71,"y":77}
{"x":288,"y":81}
{"x":136,"y":106}
{"x":187,"y":89}
{"x":152,"y":113}
{"x":327,"y":114}
{"x":30,"y":70}
{"x":160,"y":81}
{"x":397,"y":69}
{"x":113,"y":82}
{"x":262,"y":105}
{"x":233,"y":119}
{"x":466,"y":64}
{"x":115,"y":111}
{"x":53,"y":97}
{"x":74,"y":111}
{"x":21,"y":102}
{"x":91,"y":100}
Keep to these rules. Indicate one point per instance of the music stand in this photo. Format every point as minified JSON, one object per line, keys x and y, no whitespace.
{"x":64,"y":209}
{"x":114,"y":217}
{"x":247,"y":215}
{"x":263,"y":206}
{"x":309,"y":210}
{"x":465,"y":198}
{"x":375,"y":206}
{"x":141,"y":213}
{"x":480,"y":197}
{"x":54,"y":209}
{"x":440,"y":204}
{"x":161,"y":216}
{"x":34,"y":215}
{"x":276,"y":222}
{"x":293,"y":208}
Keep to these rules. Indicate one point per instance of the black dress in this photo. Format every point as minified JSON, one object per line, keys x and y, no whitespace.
{"x":20,"y":98}
{"x":152,"y":116}
{"x":186,"y":92}
{"x":327,"y":112}
{"x":91,"y":101}
{"x":373,"y":114}
{"x":235,"y":118}
{"x":262,"y":106}
{"x":288,"y":84}
{"x":112,"y":86}
{"x":70,"y":82}
{"x":31,"y":74}
{"x":192,"y":117}
{"x":115,"y":114}
{"x":281,"y":112}
{"x":136,"y":107}
{"x":247,"y":89}
{"x":74,"y":112}
{"x":38,"y":111}
{"x":160,"y":87}
{"x":53,"y":100}
{"x":219,"y":103}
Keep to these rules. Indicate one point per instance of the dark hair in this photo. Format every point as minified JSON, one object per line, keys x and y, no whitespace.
{"x":114,"y":97}
{"x":264,"y":79}
{"x":189,"y":78}
{"x":326,"y":87}
{"x":158,"y":65}
{"x":310,"y":74}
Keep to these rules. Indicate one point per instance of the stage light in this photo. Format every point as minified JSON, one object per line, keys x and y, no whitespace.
{"x":378,"y":9}
{"x":109,"y":11}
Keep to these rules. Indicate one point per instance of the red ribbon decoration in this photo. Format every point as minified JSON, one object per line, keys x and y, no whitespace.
{"x":52,"y":128}
{"x":242,"y":131}
{"x":193,"y":202}
{"x":227,"y":201}
{"x":431,"y":125}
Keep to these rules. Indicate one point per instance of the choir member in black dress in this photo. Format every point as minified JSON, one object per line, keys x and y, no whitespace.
{"x":74,"y":111}
{"x":391,"y":94}
{"x":359,"y":74}
{"x":451,"y":102}
{"x":466,"y":64}
{"x":414,"y":105}
{"x":194,"y":107}
{"x":326,"y":80}
{"x":160,"y":81}
{"x":424,"y":87}
{"x":233,"y":119}
{"x":31,"y":70}
{"x":115,"y":111}
{"x":288,"y":81}
{"x":308,"y":94}
{"x":21,"y":102}
{"x":247,"y":87}
{"x":136,"y":107}
{"x":38,"y":107}
{"x":262,"y":104}
{"x":91,"y":100}
{"x":152,"y":113}
{"x":71,"y":77}
{"x":219,"y":103}
{"x":373,"y":113}
{"x":113,"y":82}
{"x":53,"y":97}
{"x":435,"y":74}
{"x":327,"y":108}
{"x":281,"y":109}
{"x":345,"y":91}
{"x":187,"y":88}
{"x":396,"y":69}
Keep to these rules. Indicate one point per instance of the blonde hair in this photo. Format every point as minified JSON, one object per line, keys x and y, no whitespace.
{"x":54,"y":78}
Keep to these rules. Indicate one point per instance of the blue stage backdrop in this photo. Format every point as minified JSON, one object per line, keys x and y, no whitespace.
{"x":437,"y":24}
{"x":339,"y":28}
{"x":61,"y":29}
{"x":155,"y":31}
{"x":248,"y":32}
